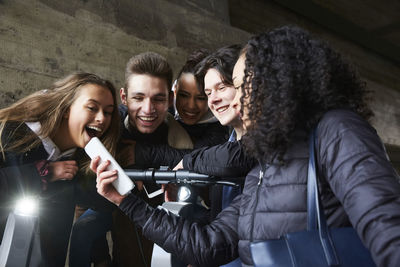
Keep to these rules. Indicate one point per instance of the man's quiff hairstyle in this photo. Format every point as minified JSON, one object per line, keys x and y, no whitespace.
{"x":223,"y":60}
{"x":149,"y":63}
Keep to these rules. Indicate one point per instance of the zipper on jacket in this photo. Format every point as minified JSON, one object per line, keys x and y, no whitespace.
{"x":260,"y":178}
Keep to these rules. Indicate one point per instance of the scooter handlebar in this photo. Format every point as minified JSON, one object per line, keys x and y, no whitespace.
{"x":166,"y":176}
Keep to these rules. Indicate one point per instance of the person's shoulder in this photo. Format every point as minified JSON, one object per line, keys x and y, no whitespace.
{"x":336,"y":122}
{"x":16,"y":129}
{"x":12,"y":133}
{"x":341,"y":118}
{"x":177,"y":135}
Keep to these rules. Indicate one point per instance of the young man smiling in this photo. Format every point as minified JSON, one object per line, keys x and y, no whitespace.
{"x":145,"y":99}
{"x":146,"y":95}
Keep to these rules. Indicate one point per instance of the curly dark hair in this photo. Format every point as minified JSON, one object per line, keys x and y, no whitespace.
{"x":294,"y":79}
{"x":223,"y":60}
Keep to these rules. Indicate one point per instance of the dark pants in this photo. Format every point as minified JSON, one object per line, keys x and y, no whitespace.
{"x":55,"y":221}
{"x":89,"y":228}
{"x":130,"y":247}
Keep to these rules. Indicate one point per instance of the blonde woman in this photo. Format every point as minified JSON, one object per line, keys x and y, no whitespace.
{"x":41,"y":137}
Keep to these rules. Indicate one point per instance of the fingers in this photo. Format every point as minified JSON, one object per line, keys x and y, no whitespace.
{"x":106,"y":178}
{"x":107,"y":190}
{"x":62,"y":170}
{"x":104,"y":184}
{"x":70,"y":162}
{"x":103,"y":173}
{"x":102,"y":167}
{"x":70,"y":168}
{"x":67,"y":176}
{"x":94,"y":163}
{"x":179,"y":166}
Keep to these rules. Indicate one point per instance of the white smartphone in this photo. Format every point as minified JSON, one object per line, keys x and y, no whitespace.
{"x":123,"y":183}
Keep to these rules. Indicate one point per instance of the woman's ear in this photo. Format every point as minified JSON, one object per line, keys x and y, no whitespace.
{"x":66,"y":114}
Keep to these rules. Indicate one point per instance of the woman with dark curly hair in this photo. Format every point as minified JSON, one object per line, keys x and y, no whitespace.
{"x":290,"y":83}
{"x":305,"y":79}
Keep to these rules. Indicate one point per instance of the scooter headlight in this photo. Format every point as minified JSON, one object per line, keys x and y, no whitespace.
{"x":184,"y":193}
{"x":27,"y":206}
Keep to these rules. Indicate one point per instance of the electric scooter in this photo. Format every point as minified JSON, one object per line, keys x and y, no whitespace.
{"x":21,"y":241}
{"x":20,"y":245}
{"x":187,"y":204}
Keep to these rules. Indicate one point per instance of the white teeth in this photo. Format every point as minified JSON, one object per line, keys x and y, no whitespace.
{"x":222,"y":109}
{"x":147,"y":118}
{"x":190,"y":114}
{"x":97,"y":129}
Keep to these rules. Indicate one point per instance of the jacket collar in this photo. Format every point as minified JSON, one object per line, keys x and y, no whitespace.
{"x":48,"y":144}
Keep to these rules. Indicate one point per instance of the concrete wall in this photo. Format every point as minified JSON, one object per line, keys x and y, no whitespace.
{"x":41,"y":41}
{"x":380,"y":73}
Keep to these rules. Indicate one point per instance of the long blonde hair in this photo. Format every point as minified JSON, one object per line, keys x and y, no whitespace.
{"x":48,"y":107}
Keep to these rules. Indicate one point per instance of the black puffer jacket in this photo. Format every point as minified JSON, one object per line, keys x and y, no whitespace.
{"x":358,"y":181}
{"x":226,"y":160}
{"x":162,"y":154}
{"x":206,"y":134}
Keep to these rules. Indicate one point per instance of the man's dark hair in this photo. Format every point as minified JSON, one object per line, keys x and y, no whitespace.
{"x":149,"y":63}
{"x":192,"y":62}
{"x":223,"y":60}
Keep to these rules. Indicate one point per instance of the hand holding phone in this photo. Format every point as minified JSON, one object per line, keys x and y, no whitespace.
{"x":95,"y":148}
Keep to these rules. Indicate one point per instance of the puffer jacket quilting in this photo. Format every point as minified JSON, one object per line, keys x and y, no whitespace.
{"x":357,"y":183}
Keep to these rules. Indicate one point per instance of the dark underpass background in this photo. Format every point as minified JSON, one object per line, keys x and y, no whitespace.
{"x":41,"y":41}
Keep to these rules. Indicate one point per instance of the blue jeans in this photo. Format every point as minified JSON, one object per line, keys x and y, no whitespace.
{"x":89,"y":227}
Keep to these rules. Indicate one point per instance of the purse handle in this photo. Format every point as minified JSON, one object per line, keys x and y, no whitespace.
{"x":315,"y":216}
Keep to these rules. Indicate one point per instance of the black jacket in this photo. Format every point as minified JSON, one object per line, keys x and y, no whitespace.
{"x":156,"y":155}
{"x":161,"y":154}
{"x":227,"y":160}
{"x":19,"y":177}
{"x":151,"y":149}
{"x":206,"y":134}
{"x":359,"y":187}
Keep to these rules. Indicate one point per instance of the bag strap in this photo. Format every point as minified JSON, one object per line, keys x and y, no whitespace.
{"x":315,"y":214}
{"x":312,"y":216}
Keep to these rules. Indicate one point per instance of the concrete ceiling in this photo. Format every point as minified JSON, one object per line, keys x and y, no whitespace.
{"x":373,"y":24}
